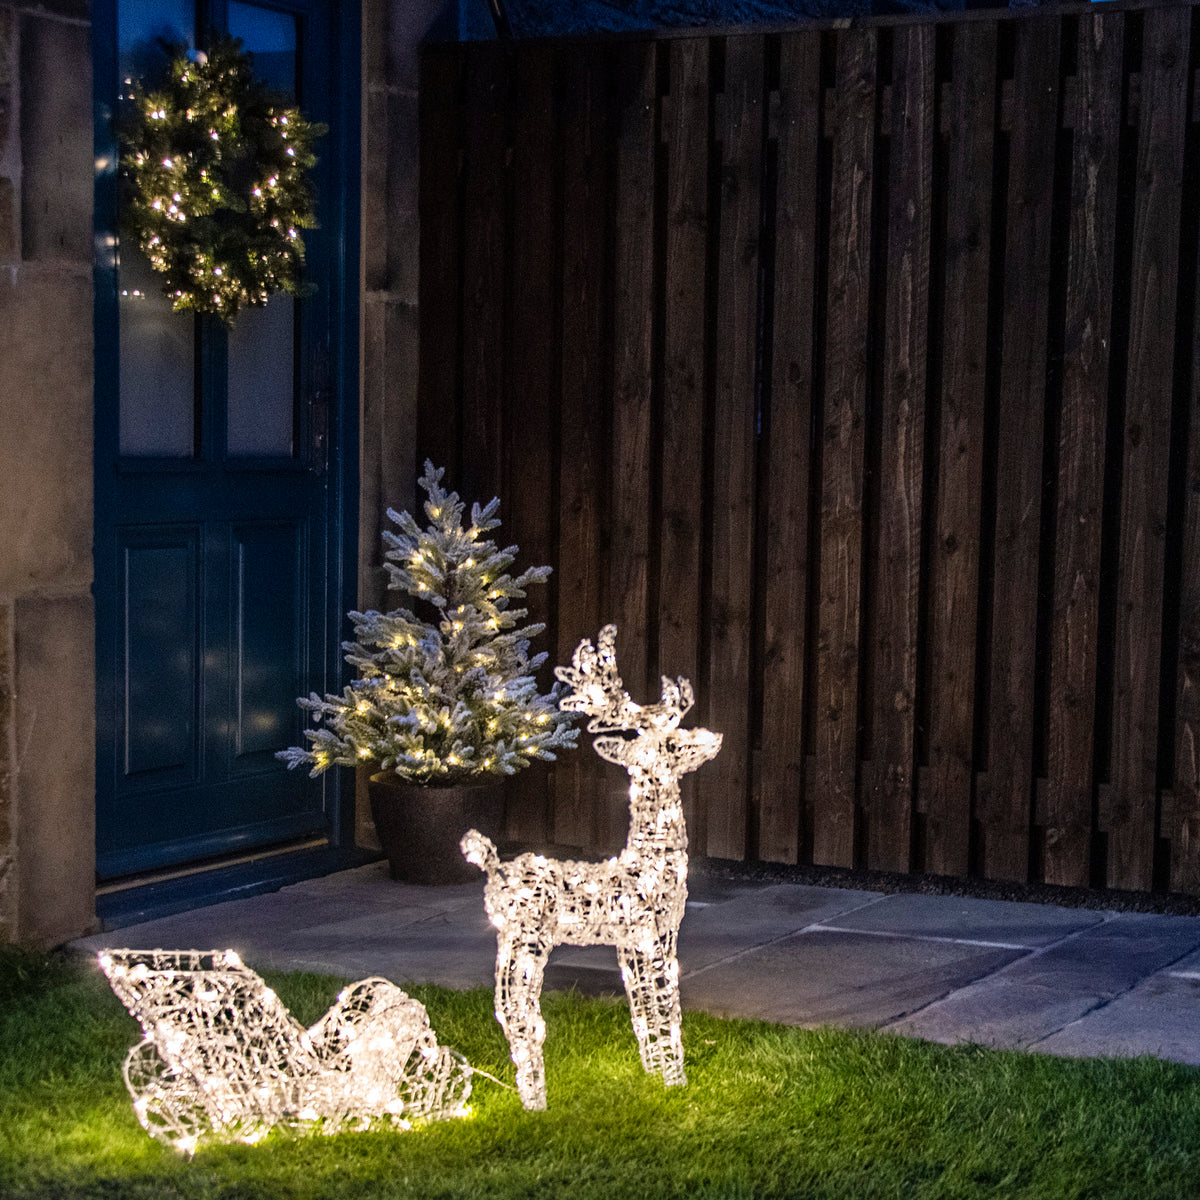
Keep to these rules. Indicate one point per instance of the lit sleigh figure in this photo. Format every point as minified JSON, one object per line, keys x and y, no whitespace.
{"x":633,"y":902}
{"x":223,"y":1060}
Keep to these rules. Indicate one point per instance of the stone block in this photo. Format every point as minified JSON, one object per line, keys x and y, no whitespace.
{"x":55,"y":773}
{"x":10,"y":243}
{"x":409,"y":21}
{"x":398,"y":483}
{"x":374,"y":39}
{"x":375,"y":215}
{"x":46,"y":450}
{"x":403,"y":231}
{"x":8,"y":75}
{"x":7,"y":742}
{"x":388,"y":430}
{"x":374,"y":389}
{"x":56,"y":141}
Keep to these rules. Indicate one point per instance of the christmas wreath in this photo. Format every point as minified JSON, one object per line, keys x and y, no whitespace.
{"x":215,"y":175}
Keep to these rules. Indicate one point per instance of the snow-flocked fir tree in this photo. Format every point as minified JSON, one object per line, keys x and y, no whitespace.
{"x":452,"y":698}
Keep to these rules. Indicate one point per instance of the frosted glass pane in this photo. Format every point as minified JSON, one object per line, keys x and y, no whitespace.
{"x":271,"y":37}
{"x":262,"y":379}
{"x":142,"y":28}
{"x":157,"y":385}
{"x":157,"y":371}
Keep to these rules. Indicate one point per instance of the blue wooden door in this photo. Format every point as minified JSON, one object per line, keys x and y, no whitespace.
{"x":221,"y":545}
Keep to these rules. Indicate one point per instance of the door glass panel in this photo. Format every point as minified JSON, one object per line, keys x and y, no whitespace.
{"x":262,"y":379}
{"x":157,"y":349}
{"x":271,"y":37}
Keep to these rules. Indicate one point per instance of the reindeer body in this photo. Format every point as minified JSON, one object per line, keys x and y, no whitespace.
{"x":634,"y":902}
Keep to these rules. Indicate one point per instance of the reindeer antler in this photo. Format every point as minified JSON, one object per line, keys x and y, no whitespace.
{"x":596,"y":689}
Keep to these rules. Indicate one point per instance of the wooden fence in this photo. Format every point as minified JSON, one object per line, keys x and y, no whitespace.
{"x":853,"y":371}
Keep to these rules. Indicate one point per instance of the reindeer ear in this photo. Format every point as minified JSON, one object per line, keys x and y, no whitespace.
{"x":612,"y":749}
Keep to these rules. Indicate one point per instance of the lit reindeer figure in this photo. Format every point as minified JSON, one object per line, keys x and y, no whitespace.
{"x":633,"y":902}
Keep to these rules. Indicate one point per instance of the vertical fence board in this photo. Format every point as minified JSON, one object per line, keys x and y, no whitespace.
{"x":633,"y":332}
{"x":1082,"y":434}
{"x":1004,"y":808}
{"x":531,"y":415}
{"x":838,"y":649}
{"x":439,"y":394}
{"x":1148,"y":387}
{"x":581,"y":808}
{"x":724,"y":790}
{"x":1181,"y":823}
{"x":682,"y":465}
{"x":789,"y":418}
{"x":484,"y":249}
{"x":954,"y":569}
{"x":888,"y":781}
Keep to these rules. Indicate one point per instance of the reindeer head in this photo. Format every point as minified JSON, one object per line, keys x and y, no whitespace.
{"x":658,"y":742}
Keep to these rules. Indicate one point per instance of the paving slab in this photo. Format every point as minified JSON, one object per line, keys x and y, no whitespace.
{"x":834,"y":978}
{"x":1043,"y":991}
{"x":712,"y":932}
{"x":1160,"y":1017}
{"x":965,"y":919}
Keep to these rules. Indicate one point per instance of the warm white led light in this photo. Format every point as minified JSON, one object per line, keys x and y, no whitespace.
{"x":223,"y":1060}
{"x":634,"y":902}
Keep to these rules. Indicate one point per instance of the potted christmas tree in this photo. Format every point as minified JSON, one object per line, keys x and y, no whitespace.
{"x":446,"y":701}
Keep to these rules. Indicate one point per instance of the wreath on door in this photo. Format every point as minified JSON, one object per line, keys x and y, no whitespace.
{"x":215,"y":171}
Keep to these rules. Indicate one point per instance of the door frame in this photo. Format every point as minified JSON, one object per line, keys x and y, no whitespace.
{"x":339,"y":216}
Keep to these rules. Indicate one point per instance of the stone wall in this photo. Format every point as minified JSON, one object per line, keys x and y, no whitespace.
{"x":47,"y":629}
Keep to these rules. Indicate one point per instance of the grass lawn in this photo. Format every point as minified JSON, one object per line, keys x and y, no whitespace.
{"x":768,"y":1112}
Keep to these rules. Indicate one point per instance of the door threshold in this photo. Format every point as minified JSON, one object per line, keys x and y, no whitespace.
{"x":165,"y":893}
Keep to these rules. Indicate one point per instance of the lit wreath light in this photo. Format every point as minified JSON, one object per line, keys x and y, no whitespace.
{"x":634,"y":902}
{"x":223,"y":1060}
{"x":215,"y":172}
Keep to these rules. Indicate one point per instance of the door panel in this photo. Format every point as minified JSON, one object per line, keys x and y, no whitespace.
{"x":221,"y":546}
{"x":270,"y":640}
{"x":159,"y":603}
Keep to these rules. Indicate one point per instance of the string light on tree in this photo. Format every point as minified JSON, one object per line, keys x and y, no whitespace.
{"x":215,"y":182}
{"x":446,"y":690}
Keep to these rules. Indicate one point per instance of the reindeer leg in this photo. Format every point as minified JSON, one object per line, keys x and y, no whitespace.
{"x":652,"y":985}
{"x":520,"y":966}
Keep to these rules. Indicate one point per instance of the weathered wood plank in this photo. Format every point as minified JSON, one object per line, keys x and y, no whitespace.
{"x":580,"y":808}
{"x":633,"y":364}
{"x":685,"y":130}
{"x":789,"y":466}
{"x":724,"y":790}
{"x":1181,"y":819}
{"x":439,"y":391}
{"x":970,"y":103}
{"x":888,"y":787}
{"x":1004,"y":813}
{"x":1148,"y":384}
{"x":845,"y":406}
{"x":484,"y":246}
{"x":1083,"y":426}
{"x":533,"y":397}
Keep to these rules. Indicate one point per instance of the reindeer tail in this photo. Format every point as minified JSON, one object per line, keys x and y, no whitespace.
{"x":480,"y":851}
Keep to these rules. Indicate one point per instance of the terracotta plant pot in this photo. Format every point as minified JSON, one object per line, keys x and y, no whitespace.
{"x":420,"y":826}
